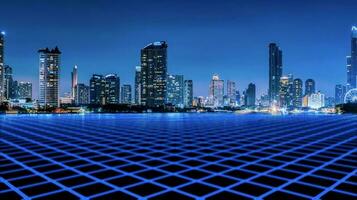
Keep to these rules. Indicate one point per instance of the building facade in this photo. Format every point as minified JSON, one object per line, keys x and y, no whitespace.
{"x":74,"y":82}
{"x":231,"y":92}
{"x":112,"y":89}
{"x":352,"y":60}
{"x":24,"y":90}
{"x":126,"y":94}
{"x":309,"y":87}
{"x":340,"y":92}
{"x":297,"y":93}
{"x":2,"y":65}
{"x":9,"y":92}
{"x":188,"y":93}
{"x":316,"y":100}
{"x":137,"y":84}
{"x":81,"y":94}
{"x":153,"y":74}
{"x":49,"y":72}
{"x":275,"y":72}
{"x":216,"y":91}
{"x":97,"y":89}
{"x":175,"y":90}
{"x":250,"y":95}
{"x":284,"y":93}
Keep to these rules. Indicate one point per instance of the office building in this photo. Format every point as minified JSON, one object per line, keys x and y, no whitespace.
{"x":74,"y":76}
{"x":284,"y":93}
{"x":153,"y":74}
{"x":175,"y":90}
{"x":112,"y":89}
{"x":250,"y":95}
{"x":316,"y":100}
{"x":81,"y":94}
{"x":126,"y":94}
{"x":9,"y":92}
{"x":297,"y":93}
{"x":352,"y":60}
{"x":231,"y":92}
{"x":275,"y":72}
{"x":309,"y":87}
{"x":137,"y":84}
{"x":216,"y":91}
{"x":2,"y":63}
{"x":340,"y":92}
{"x":97,"y":89}
{"x":188,"y":93}
{"x":49,"y":72}
{"x":24,"y":90}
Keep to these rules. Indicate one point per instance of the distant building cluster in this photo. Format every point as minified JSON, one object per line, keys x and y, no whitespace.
{"x":154,"y":86}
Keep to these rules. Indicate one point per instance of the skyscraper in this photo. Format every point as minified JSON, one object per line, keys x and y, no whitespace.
{"x":309,"y":87}
{"x":81,"y":94}
{"x":275,"y":72}
{"x":126,"y":94}
{"x":250,"y":95}
{"x":216,"y":91}
{"x":8,"y":83}
{"x":2,"y":46}
{"x":49,"y":67}
{"x":284,"y":91}
{"x":137,"y":84}
{"x":74,"y":75}
{"x":340,"y":92}
{"x":352,"y":69}
{"x":153,"y":74}
{"x":231,"y":92}
{"x":24,"y":90}
{"x":112,"y":89}
{"x":188,"y":93}
{"x":97,"y":89}
{"x":316,"y":100}
{"x":174,"y":88}
{"x":297,"y":93}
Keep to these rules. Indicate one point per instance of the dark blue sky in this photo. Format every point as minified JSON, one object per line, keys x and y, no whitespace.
{"x":205,"y":37}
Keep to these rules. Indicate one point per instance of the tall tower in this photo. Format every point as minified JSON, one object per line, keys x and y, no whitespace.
{"x":231,"y":92}
{"x":49,"y":77}
{"x":2,"y":46}
{"x":8,"y":83}
{"x":188,"y":93}
{"x":352,"y":69}
{"x":74,"y":75}
{"x":309,"y":87}
{"x":175,"y":87}
{"x":137,"y":85}
{"x":216,"y":91}
{"x":153,"y":74}
{"x":297,"y":93}
{"x":275,"y":72}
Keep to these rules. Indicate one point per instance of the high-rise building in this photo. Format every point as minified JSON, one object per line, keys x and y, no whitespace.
{"x":8,"y":83}
{"x":250,"y":95}
{"x":352,"y":68}
{"x":238,"y":102}
{"x":231,"y":92}
{"x":216,"y":91}
{"x":24,"y":90}
{"x":188,"y":93}
{"x":309,"y":87}
{"x":126,"y":94}
{"x":316,"y":100}
{"x":97,"y":89}
{"x":174,"y":88}
{"x":284,"y":92}
{"x":81,"y":93}
{"x":297,"y":93}
{"x":137,"y":84}
{"x":2,"y":63}
{"x":275,"y":72}
{"x":340,"y":92}
{"x":112,"y":89}
{"x":74,"y":75}
{"x":49,"y":67}
{"x":153,"y":74}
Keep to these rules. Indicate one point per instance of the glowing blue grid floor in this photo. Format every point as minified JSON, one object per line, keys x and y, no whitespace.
{"x":178,"y":156}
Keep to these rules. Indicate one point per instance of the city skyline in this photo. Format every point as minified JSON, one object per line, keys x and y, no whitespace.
{"x":122,"y":57}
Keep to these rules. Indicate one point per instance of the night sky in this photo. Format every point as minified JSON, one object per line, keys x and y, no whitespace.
{"x":226,"y":37}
